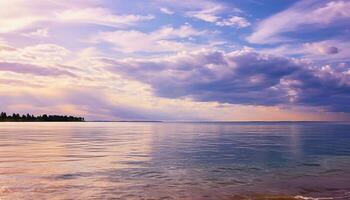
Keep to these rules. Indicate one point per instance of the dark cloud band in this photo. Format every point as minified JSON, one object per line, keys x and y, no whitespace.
{"x":241,"y":77}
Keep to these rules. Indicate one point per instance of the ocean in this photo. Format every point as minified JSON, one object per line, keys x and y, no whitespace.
{"x":169,"y":160}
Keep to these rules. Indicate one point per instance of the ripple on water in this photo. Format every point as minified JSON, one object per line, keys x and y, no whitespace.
{"x":186,"y":161}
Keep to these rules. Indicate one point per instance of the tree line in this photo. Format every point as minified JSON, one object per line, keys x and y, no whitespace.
{"x":15,"y":117}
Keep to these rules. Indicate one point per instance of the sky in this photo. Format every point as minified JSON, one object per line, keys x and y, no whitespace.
{"x":193,"y":60}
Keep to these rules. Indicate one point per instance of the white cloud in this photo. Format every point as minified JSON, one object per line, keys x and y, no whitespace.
{"x":167,"y":11}
{"x":40,"y":54}
{"x":315,"y":13}
{"x":38,"y":33}
{"x":207,"y":14}
{"x":17,"y":15}
{"x":235,"y":21}
{"x":16,"y":21}
{"x":213,"y":13}
{"x":165,"y":39}
{"x":99,"y":16}
{"x":50,"y":53}
{"x":6,"y":48}
{"x":205,"y":10}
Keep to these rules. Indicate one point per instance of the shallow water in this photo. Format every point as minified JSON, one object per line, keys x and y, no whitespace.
{"x":174,"y":160}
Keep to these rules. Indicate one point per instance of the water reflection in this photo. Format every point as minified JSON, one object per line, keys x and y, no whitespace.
{"x":172,"y":160}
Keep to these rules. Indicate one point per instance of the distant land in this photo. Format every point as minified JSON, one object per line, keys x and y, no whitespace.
{"x":15,"y":117}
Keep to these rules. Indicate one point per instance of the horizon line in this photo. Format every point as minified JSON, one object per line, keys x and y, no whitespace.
{"x":206,"y":121}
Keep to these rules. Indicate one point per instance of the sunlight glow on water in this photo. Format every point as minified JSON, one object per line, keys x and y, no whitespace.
{"x":173,"y":160}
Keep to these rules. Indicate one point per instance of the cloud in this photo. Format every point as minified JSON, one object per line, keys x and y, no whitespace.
{"x":240,"y":77}
{"x":210,"y":15}
{"x":7,"y":48}
{"x":326,"y":51}
{"x":165,"y":39}
{"x":167,"y":11}
{"x":54,"y":54}
{"x":26,"y":68}
{"x":100,"y":16}
{"x":38,"y":33}
{"x":321,"y":48}
{"x":42,"y":54}
{"x":209,"y":11}
{"x":234,"y":21}
{"x":46,"y":52}
{"x":93,"y":103}
{"x":207,"y":14}
{"x":17,"y":15}
{"x":313,"y":14}
{"x":90,"y":103}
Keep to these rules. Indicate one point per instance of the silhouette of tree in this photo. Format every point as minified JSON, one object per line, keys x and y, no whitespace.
{"x":40,"y":118}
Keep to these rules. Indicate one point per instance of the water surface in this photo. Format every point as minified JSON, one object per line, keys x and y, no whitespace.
{"x":174,"y":160}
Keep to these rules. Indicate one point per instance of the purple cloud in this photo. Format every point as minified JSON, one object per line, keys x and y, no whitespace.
{"x":240,"y":77}
{"x":332,"y":50}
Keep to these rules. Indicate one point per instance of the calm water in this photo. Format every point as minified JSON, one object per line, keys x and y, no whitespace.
{"x":173,"y":160}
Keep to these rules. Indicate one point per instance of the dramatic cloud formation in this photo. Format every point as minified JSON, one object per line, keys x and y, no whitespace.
{"x":176,"y":60}
{"x":240,"y":77}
